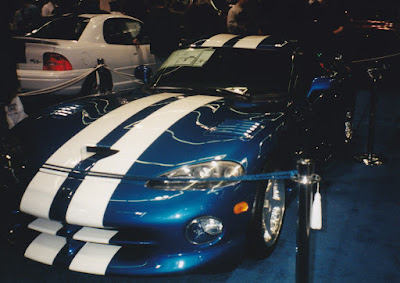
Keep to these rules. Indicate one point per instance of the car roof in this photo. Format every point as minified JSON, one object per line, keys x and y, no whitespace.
{"x":247,"y":42}
{"x":105,"y":16}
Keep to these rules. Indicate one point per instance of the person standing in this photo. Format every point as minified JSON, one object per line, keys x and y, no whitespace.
{"x":9,"y":80}
{"x":48,"y":8}
{"x":105,"y":5}
{"x":326,"y":23}
{"x":237,"y":19}
{"x":202,"y":21}
{"x":27,"y":18}
{"x":164,"y":32}
{"x":137,"y":9}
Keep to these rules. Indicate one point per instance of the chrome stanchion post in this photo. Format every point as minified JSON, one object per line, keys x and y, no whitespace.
{"x":370,"y":158}
{"x":305,"y":180}
{"x":100,"y":76}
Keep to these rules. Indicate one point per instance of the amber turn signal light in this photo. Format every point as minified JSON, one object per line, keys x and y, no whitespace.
{"x":240,"y":207}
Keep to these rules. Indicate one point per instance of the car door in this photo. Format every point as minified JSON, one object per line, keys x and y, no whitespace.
{"x":135,"y":32}
{"x":124,"y":50}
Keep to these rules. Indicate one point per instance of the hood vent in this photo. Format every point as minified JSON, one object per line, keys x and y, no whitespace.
{"x":237,"y":128}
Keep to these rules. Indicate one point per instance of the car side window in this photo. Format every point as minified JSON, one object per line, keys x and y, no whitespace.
{"x":121,"y":31}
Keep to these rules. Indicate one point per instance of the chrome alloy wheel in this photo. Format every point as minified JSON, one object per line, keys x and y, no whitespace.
{"x":273,"y":211}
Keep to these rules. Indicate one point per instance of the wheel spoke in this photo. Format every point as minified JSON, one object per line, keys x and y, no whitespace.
{"x":273,"y":211}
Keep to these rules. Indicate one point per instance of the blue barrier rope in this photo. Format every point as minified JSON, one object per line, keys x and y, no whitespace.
{"x":281,"y":175}
{"x":256,"y":177}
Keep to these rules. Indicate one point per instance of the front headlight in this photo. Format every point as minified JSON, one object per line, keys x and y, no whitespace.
{"x":194,"y":174}
{"x":204,"y":230}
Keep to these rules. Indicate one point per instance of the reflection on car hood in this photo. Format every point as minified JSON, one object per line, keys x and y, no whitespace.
{"x":128,"y":135}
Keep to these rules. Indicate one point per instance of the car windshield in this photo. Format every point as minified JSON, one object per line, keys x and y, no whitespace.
{"x":67,"y":28}
{"x":241,"y":70}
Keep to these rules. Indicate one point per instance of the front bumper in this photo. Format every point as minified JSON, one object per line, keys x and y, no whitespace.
{"x":146,"y":237}
{"x":106,"y":251}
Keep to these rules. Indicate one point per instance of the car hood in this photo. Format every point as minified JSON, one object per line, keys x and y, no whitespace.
{"x":146,"y":135}
{"x":80,"y":154}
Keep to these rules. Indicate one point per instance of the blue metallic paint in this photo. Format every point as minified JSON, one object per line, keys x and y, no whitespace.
{"x":152,"y":223}
{"x":321,"y":84}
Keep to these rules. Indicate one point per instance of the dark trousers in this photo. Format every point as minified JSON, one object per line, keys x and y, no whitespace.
{"x":3,"y":121}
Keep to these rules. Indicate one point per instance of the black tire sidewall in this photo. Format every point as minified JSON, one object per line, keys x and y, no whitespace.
{"x":257,"y":247}
{"x":90,"y":81}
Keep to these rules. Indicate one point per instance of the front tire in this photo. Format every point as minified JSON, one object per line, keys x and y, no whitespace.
{"x":90,"y":85}
{"x":268,"y":218}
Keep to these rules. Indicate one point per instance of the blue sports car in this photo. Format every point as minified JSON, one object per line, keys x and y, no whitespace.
{"x":157,"y":180}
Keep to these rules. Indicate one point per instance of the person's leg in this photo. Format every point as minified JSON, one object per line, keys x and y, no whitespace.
{"x":3,"y":121}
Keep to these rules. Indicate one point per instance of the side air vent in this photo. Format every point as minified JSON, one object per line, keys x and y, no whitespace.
{"x":237,"y":128}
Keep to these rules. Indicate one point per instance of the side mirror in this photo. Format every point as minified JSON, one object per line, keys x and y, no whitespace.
{"x":326,"y":89}
{"x":143,"y":73}
{"x":319,"y":85}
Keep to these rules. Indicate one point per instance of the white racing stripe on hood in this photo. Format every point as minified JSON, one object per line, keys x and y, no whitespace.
{"x":94,"y":258}
{"x":250,"y":42}
{"x":89,"y":203}
{"x":45,"y":248}
{"x":69,"y":154}
{"x":42,"y":189}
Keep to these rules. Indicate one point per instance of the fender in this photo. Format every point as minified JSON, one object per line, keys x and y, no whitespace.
{"x":320,"y":86}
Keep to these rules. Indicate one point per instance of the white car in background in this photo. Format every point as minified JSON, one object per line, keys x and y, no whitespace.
{"x":70,"y":46}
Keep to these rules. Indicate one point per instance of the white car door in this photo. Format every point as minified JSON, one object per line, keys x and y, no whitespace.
{"x":121,"y":34}
{"x":141,"y":54}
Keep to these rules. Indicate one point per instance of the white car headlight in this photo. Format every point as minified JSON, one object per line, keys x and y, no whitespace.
{"x":194,"y":174}
{"x":204,"y":230}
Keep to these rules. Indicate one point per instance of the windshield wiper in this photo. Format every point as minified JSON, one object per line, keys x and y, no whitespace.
{"x":241,"y":92}
{"x":172,"y":88}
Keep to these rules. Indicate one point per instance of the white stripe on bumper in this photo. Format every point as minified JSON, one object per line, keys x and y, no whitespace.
{"x":45,"y":226}
{"x":94,"y":235}
{"x":94,"y":258}
{"x":45,"y":248}
{"x":85,"y":234}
